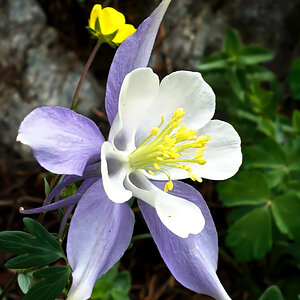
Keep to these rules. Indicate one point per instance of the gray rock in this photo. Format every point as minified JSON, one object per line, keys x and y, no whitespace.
{"x":35,"y":70}
{"x":195,"y":28}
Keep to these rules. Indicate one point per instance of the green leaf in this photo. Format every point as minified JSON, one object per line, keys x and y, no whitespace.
{"x":251,"y":236}
{"x":216,"y":61}
{"x":47,"y":187}
{"x":25,"y":281}
{"x":275,"y":177}
{"x":112,"y":285}
{"x":69,"y":190}
{"x":122,"y":283}
{"x":104,"y":283}
{"x":114,"y":295}
{"x":236,"y":84}
{"x":286,"y":210}
{"x":266,"y":126}
{"x":259,"y":97}
{"x":259,"y":72}
{"x":246,"y":188}
{"x":268,"y":154}
{"x":271,"y":293}
{"x":255,"y":54}
{"x":293,"y":78}
{"x":38,"y":247}
{"x":53,"y":280}
{"x":296,"y":120}
{"x":240,"y":211}
{"x":232,"y":44}
{"x":294,"y":187}
{"x":292,"y":150}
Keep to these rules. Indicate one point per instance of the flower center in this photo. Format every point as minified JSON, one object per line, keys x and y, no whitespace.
{"x":170,"y":146}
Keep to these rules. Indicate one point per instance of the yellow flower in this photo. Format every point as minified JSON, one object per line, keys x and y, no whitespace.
{"x":108,"y":25}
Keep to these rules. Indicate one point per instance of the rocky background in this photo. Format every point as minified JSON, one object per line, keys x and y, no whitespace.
{"x":44,"y":44}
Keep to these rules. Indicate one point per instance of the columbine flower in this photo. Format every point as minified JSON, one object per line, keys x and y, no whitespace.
{"x":108,"y":25}
{"x":160,"y":133}
{"x":164,"y":132}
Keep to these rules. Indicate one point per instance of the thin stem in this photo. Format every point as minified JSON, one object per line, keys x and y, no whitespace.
{"x":86,"y":68}
{"x":9,"y":285}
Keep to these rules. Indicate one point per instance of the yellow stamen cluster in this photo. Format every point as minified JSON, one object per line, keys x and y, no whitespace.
{"x":170,"y":147}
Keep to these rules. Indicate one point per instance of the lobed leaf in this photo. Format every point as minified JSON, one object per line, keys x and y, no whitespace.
{"x":251,"y":236}
{"x":268,"y":154}
{"x":286,"y":210}
{"x":246,"y":188}
{"x":52,"y":282}
{"x":38,"y":247}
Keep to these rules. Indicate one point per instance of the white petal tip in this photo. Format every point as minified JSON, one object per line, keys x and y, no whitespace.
{"x":182,"y":219}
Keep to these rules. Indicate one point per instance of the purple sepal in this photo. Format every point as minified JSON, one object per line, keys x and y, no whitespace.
{"x":62,"y":141}
{"x":71,"y":200}
{"x":133,"y":53}
{"x":192,"y":261}
{"x":100,"y":232}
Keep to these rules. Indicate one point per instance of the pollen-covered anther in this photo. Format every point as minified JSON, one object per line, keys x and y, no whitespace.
{"x":183,"y":134}
{"x":154,"y":131}
{"x":171,"y":142}
{"x":156,"y":166}
{"x":170,"y":146}
{"x":194,"y":177}
{"x":168,"y":186}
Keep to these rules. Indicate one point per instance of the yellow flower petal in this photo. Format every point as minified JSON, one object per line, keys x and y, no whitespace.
{"x":123,"y":33}
{"x":110,"y":20}
{"x":95,"y":13}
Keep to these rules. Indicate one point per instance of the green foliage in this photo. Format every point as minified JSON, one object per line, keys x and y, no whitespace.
{"x":36,"y":248}
{"x":286,"y":210}
{"x":52,"y":281}
{"x":251,"y":236}
{"x":113,"y":285}
{"x":271,"y":293}
{"x":296,"y":120}
{"x":293,"y":79}
{"x":69,"y":190}
{"x":247,"y":188}
{"x":264,"y":197}
{"x":47,"y":187}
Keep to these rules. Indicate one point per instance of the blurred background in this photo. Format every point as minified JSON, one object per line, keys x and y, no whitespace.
{"x":248,"y":51}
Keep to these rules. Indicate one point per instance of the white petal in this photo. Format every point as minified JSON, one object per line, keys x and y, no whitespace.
{"x":180,"y":216}
{"x":182,"y":89}
{"x":139,"y":89}
{"x":114,"y":168}
{"x":223,"y":155}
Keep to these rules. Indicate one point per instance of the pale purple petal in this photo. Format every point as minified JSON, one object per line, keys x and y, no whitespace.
{"x":99,"y":234}
{"x":133,"y":53}
{"x":192,"y":260}
{"x":62,"y":141}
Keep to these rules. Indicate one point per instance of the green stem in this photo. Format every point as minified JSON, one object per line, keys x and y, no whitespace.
{"x":141,"y":236}
{"x":83,"y":75}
